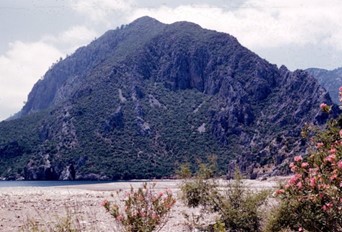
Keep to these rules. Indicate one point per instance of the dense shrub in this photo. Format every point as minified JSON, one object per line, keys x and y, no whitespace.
{"x":144,"y":209}
{"x":200,"y":189}
{"x":198,"y":192}
{"x":238,"y":208}
{"x":312,"y":199}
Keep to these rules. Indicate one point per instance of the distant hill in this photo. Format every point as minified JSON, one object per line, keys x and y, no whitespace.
{"x":331,"y":80}
{"x":140,"y":100}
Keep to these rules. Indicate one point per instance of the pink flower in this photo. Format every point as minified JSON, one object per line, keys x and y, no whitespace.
{"x":333,"y":177}
{"x":340,"y":89}
{"x":299,"y":185}
{"x":279,"y":192}
{"x":154,"y":216}
{"x":293,"y":179}
{"x":325,"y":108}
{"x":330,"y":158}
{"x":340,"y":133}
{"x":312,"y":182}
{"x":327,"y":206}
{"x":104,"y":203}
{"x":332,"y":151}
{"x":319,"y":145}
{"x":339,"y":164}
{"x":298,"y":158}
{"x":305,"y":165}
{"x":322,"y":105}
{"x":313,"y":171}
{"x":119,"y":218}
{"x":323,"y":186}
{"x":293,"y":167}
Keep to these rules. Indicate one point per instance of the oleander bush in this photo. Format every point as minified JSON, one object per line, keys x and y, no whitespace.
{"x":312,"y":199}
{"x":144,"y":209}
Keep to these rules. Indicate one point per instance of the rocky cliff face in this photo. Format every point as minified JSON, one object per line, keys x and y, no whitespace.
{"x":142,"y":99}
{"x":331,"y":80}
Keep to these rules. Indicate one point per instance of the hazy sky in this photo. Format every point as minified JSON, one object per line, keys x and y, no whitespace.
{"x":36,"y":33}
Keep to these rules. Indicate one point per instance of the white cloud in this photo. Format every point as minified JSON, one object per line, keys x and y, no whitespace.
{"x":21,"y":66}
{"x":100,"y":10}
{"x":72,"y":38}
{"x":263,"y":23}
{"x":77,"y":34}
{"x":25,"y":62}
{"x":256,"y":23}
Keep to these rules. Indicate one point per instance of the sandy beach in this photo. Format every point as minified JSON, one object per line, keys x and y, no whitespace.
{"x":46,"y":205}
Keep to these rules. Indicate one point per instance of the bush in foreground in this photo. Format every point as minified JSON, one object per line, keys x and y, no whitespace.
{"x":199,"y":190}
{"x":68,"y":223}
{"x":312,"y":198}
{"x":144,"y":209}
{"x":238,"y":208}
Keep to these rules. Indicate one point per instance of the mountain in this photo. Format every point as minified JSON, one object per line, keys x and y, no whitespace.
{"x":331,"y":80}
{"x":141,"y":99}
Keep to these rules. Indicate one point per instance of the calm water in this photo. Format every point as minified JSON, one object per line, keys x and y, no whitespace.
{"x":46,"y":183}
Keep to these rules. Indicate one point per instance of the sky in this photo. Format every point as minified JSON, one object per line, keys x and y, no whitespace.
{"x":36,"y":33}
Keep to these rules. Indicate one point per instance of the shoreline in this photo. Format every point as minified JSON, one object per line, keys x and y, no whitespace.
{"x":125,"y":184}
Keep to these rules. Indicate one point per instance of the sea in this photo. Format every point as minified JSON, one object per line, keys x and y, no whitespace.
{"x":41,"y":183}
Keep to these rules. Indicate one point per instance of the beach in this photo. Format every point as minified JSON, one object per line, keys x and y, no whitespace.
{"x":45,"y":206}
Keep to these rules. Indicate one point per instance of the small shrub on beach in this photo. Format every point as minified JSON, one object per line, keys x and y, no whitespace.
{"x":197,"y":192}
{"x":184,"y":171}
{"x":200,"y":189}
{"x":238,"y":209}
{"x":144,"y":209}
{"x":67,"y":223}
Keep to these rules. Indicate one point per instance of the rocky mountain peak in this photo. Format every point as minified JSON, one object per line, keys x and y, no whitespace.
{"x":331,"y":80}
{"x":145,"y":97}
{"x":145,"y":21}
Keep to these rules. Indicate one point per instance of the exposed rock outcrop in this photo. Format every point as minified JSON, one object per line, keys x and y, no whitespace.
{"x":331,"y":80}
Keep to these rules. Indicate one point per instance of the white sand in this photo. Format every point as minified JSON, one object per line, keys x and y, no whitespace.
{"x":46,"y":205}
